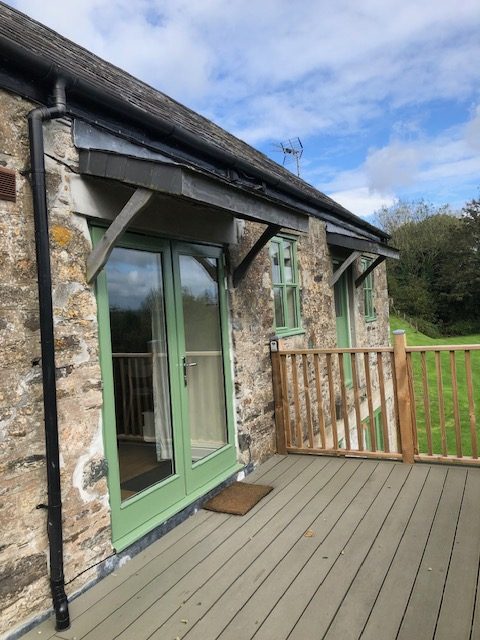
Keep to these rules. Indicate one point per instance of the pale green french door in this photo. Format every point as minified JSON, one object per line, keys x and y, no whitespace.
{"x":168,"y":415}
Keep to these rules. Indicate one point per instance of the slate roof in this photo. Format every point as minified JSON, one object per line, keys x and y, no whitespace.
{"x":40,"y":41}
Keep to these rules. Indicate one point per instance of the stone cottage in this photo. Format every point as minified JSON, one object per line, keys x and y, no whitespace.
{"x":136,"y":372}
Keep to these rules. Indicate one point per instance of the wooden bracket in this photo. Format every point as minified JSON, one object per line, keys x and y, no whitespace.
{"x":369,"y":270}
{"x":241,"y":270}
{"x":101,"y":252}
{"x":344,"y":266}
{"x":210,"y":269}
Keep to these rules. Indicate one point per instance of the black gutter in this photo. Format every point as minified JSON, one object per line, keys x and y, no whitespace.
{"x":164,"y":127}
{"x":36,"y":118}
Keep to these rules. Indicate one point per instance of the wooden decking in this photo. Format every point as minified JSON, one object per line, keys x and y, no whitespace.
{"x":341,"y":549}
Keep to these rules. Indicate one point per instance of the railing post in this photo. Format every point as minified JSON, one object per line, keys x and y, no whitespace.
{"x":278,"y":396}
{"x":403,"y":395}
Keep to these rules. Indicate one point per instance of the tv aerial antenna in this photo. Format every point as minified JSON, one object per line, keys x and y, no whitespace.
{"x":292,"y":148}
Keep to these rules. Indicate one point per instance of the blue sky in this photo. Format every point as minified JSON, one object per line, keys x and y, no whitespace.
{"x":385,"y":95}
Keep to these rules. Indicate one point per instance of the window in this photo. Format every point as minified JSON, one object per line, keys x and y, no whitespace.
{"x":368,"y":292}
{"x":286,"y":289}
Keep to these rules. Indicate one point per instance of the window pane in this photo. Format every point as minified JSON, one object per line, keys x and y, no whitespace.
{"x":279,"y":316}
{"x":140,"y":369}
{"x":368,"y":292}
{"x":275,"y":256}
{"x":288,"y":261}
{"x":203,"y":344}
{"x":286,"y":290}
{"x":291,"y":310}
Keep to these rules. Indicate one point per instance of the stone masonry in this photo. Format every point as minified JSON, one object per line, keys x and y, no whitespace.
{"x":24,"y":589}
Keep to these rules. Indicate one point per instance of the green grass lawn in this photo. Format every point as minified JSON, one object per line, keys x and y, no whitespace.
{"x":415,"y":338}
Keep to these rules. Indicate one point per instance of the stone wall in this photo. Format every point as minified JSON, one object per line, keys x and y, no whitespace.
{"x":253,"y":325}
{"x":24,"y":589}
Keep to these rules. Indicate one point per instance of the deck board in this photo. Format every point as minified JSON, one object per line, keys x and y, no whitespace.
{"x":273,"y":468}
{"x":291,"y":560}
{"x":353,"y":611}
{"x":181,"y":600}
{"x":456,"y":613}
{"x":234,"y":585}
{"x":321,"y":608}
{"x":394,"y":552}
{"x":423,"y":607}
{"x":387,"y":611}
{"x":136,"y":595}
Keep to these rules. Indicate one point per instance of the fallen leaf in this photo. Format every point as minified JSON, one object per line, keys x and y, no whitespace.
{"x":309,"y":533}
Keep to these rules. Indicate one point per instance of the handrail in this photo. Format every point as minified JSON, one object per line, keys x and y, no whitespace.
{"x":292,"y":352}
{"x":444,"y":347}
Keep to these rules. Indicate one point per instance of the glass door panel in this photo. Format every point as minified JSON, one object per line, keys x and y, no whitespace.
{"x":203,"y":361}
{"x":140,"y":369}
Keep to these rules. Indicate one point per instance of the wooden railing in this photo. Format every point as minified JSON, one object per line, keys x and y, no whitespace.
{"x":444,"y":382}
{"x":376,"y":402}
{"x":132,"y":375}
{"x":336,"y":401}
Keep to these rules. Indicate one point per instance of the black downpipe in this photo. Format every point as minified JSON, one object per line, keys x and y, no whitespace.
{"x":36,"y":118}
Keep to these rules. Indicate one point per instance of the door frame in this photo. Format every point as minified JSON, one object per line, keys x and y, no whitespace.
{"x":136,"y":516}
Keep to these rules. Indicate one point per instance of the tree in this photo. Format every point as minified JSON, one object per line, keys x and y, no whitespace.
{"x":437,"y":278}
{"x":468,"y":262}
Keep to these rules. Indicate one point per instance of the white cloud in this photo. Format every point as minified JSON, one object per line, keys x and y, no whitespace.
{"x":450,"y":156}
{"x":393,"y":166}
{"x":436,"y":167}
{"x":472,"y":131}
{"x":362,"y":201}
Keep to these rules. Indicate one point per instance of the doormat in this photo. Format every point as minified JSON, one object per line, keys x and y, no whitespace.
{"x":238,"y":498}
{"x":146,"y":479}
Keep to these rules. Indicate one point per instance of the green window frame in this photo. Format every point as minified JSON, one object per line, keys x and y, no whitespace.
{"x":286,"y":285}
{"x":377,"y":421}
{"x":369,"y":307}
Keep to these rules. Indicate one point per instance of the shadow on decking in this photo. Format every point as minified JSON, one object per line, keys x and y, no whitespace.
{"x":340,"y":549}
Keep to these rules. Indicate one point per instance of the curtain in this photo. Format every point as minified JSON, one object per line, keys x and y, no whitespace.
{"x":161,"y":387}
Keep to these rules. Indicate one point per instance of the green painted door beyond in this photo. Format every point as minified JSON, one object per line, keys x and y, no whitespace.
{"x":168,"y":409}
{"x":377,"y":418}
{"x":342,"y":316}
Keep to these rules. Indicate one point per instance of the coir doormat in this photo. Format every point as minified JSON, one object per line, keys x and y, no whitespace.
{"x":238,"y":498}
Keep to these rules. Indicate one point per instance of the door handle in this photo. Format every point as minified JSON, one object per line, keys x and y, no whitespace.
{"x":185,"y":367}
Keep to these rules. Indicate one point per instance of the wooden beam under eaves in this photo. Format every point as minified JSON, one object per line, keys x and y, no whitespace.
{"x":344,"y":266}
{"x":241,"y":269}
{"x":101,"y":252}
{"x":369,"y":270}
